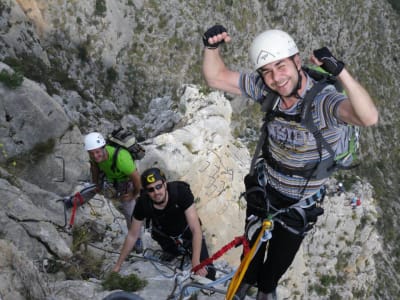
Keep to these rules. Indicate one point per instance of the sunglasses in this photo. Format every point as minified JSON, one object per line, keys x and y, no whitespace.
{"x":157,"y":187}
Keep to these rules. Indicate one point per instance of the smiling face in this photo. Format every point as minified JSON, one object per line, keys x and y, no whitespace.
{"x":282,"y":76}
{"x":98,"y":155}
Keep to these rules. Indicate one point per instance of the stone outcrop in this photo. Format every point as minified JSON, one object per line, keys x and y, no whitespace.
{"x":96,"y":65}
{"x":204,"y":153}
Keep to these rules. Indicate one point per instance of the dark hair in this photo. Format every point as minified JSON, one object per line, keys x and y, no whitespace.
{"x":152,"y":175}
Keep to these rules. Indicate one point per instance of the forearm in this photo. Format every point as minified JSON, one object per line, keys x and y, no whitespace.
{"x":126,"y":249}
{"x":217,"y":75}
{"x":213,"y":65}
{"x":137,"y":185}
{"x":196,"y":247}
{"x":364,"y":110}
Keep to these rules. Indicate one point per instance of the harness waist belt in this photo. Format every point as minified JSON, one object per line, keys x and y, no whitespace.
{"x":312,"y":199}
{"x":307,"y":202}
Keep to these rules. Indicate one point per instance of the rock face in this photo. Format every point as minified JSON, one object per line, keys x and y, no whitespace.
{"x":201,"y":151}
{"x":99,"y":64}
{"x":341,"y":250}
{"x":38,"y":140}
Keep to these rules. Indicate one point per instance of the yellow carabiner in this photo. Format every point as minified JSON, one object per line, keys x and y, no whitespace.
{"x":241,"y":270}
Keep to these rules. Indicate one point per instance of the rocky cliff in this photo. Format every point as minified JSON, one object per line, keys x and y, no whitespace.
{"x":99,"y":64}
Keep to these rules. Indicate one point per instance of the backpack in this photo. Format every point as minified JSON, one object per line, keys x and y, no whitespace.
{"x":347,"y":151}
{"x":124,"y":139}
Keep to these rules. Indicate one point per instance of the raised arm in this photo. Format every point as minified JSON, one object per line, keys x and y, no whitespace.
{"x":215,"y":72}
{"x":358,"y":108}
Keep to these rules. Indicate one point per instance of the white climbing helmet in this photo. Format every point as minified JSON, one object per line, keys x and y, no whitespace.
{"x":270,"y":46}
{"x":94,"y":140}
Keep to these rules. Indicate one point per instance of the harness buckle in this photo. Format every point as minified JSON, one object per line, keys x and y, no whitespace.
{"x":314,"y":199}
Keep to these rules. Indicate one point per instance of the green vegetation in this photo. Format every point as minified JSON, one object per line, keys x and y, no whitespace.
{"x":83,"y":51}
{"x":11,"y":80}
{"x":100,"y":8}
{"x":318,"y":289}
{"x":130,"y":283}
{"x":395,"y":4}
{"x":25,"y":159}
{"x":347,"y":177}
{"x":342,"y":260}
{"x":80,"y":236}
{"x":84,"y":264}
{"x":327,"y":280}
{"x":34,"y":69}
{"x":325,"y":287}
{"x":112,"y":74}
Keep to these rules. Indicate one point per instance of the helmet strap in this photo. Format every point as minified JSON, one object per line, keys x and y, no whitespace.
{"x":298,"y":85}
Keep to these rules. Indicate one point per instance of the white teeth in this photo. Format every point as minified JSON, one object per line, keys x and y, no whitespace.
{"x":279,"y":84}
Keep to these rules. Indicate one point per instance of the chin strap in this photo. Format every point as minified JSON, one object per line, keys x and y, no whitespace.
{"x":298,"y":85}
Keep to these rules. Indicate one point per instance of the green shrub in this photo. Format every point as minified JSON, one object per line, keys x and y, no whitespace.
{"x":395,"y":4}
{"x":318,"y":289}
{"x":83,"y":266}
{"x":101,"y":8}
{"x":130,"y":283}
{"x":11,"y":80}
{"x":327,"y":280}
{"x":83,"y":52}
{"x":112,"y":74}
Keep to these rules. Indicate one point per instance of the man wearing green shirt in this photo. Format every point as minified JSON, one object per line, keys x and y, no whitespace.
{"x":124,"y":177}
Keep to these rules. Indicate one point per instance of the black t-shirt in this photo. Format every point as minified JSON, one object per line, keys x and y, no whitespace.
{"x":171,"y":220}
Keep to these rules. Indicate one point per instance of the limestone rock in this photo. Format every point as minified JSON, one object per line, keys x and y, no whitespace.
{"x":203,"y":152}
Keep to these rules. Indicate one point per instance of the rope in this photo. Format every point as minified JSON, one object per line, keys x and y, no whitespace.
{"x":237,"y":278}
{"x":234,"y":243}
{"x":113,"y":214}
{"x":77,"y":198}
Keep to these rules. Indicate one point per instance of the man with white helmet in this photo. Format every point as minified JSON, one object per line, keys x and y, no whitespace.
{"x":278,"y":68}
{"x":124,"y":177}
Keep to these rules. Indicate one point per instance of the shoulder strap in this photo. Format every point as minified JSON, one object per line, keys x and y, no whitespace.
{"x":308,"y":120}
{"x":269,"y":105}
{"x":114,"y":159}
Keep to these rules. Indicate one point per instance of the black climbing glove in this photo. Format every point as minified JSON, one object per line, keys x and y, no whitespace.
{"x":212,"y":31}
{"x":329,"y":62}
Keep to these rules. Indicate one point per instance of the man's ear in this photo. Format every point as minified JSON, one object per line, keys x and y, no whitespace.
{"x":297,"y":61}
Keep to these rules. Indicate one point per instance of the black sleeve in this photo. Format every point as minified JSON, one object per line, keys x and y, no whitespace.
{"x":142,"y":208}
{"x":183,"y":194}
